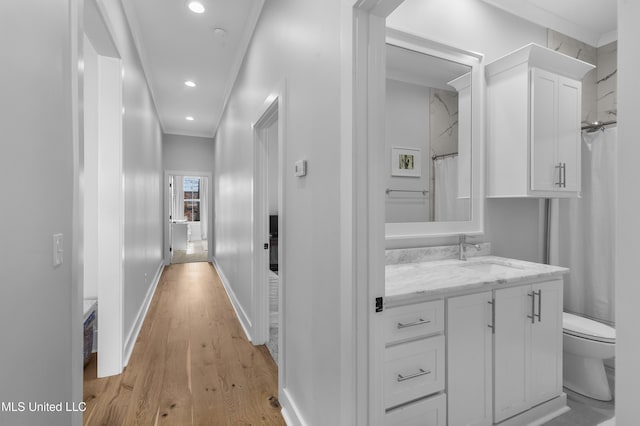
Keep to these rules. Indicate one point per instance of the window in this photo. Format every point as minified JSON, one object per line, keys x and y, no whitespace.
{"x":192,"y":199}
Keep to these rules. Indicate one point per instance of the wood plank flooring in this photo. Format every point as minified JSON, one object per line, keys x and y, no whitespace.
{"x":191,"y":365}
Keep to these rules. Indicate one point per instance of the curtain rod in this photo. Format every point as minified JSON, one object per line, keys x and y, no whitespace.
{"x":437,"y":157}
{"x":597,"y":125}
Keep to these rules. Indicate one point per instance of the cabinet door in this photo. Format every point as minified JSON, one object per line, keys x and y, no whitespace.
{"x":513,"y":306}
{"x":569,"y":117}
{"x":544,"y":173}
{"x":426,"y":412}
{"x":546,"y":343}
{"x":469,"y":362}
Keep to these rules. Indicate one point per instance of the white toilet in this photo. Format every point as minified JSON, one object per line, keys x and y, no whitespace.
{"x":587,"y":343}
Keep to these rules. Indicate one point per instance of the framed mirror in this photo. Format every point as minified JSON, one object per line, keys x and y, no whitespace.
{"x":434,"y":140}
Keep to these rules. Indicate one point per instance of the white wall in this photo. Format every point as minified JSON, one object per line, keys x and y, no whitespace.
{"x":187,"y":153}
{"x":297,"y":40}
{"x":36,"y":310}
{"x":407,"y":126}
{"x":628,"y":226}
{"x":142,"y":165}
{"x":511,"y":225}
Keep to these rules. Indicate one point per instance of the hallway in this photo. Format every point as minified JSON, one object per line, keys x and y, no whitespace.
{"x":192,"y":363}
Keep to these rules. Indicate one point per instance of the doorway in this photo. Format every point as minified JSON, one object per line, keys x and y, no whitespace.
{"x":103,"y":196}
{"x":268,"y":231}
{"x":188,"y":212}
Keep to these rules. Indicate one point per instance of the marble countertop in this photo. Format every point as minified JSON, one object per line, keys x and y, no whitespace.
{"x":413,"y":282}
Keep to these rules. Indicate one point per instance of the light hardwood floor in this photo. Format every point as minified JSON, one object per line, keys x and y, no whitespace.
{"x":191,"y":365}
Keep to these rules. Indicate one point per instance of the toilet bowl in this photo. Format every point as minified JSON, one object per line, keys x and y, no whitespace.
{"x":586,"y":344}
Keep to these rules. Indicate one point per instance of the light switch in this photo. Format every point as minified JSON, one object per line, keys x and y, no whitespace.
{"x":301,"y":168}
{"x":58,"y":249}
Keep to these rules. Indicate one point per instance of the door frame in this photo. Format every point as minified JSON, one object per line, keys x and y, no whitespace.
{"x":167,"y":212}
{"x":274,"y":108}
{"x":362,"y":215}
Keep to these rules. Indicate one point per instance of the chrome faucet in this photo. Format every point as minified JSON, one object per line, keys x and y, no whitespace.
{"x":462,"y":244}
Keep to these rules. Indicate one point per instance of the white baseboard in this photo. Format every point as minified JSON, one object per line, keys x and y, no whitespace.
{"x":290,"y":412}
{"x":242,"y":316}
{"x":142,"y":313}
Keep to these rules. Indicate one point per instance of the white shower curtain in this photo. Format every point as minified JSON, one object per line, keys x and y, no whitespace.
{"x":204,"y":207}
{"x":586,"y":231}
{"x":178,"y":198}
{"x":447,"y":205}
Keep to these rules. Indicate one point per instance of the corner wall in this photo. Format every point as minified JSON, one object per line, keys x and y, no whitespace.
{"x":36,"y":309}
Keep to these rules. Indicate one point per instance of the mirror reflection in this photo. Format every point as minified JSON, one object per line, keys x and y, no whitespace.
{"x":428,"y":138}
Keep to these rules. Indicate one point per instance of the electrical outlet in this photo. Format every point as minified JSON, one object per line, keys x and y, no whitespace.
{"x":58,"y":249}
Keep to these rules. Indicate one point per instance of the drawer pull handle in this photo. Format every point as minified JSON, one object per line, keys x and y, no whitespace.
{"x":412,"y":324}
{"x":422,"y":372}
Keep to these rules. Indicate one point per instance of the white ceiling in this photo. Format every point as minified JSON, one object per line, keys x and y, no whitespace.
{"x":176,"y":44}
{"x":591,"y":21}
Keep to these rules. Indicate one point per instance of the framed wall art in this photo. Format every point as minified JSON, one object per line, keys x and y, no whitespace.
{"x":406,"y":162}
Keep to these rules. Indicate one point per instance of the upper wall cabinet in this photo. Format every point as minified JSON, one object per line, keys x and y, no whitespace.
{"x":534,"y":111}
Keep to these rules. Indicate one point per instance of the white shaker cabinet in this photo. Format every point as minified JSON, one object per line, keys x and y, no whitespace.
{"x":469,"y":359}
{"x":527,"y":347}
{"x":534,"y":117}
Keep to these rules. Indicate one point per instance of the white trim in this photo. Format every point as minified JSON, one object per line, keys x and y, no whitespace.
{"x":242,"y":316}
{"x":167,"y":211}
{"x":132,"y":337}
{"x":290,"y":411}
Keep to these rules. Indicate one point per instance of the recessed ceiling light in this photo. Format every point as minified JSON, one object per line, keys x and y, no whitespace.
{"x":190,"y":83}
{"x":195,"y":7}
{"x":189,"y":118}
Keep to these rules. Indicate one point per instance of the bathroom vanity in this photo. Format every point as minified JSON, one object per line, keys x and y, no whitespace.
{"x":472,"y":342}
{"x":475,"y":342}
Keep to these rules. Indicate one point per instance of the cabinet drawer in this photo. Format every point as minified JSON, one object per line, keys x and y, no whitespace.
{"x":413,"y":370}
{"x":413,"y":321}
{"x":427,"y":412}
